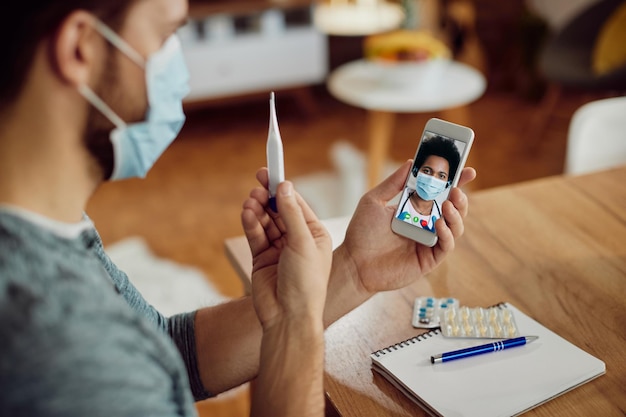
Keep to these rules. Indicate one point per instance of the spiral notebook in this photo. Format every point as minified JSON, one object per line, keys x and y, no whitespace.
{"x":505,"y":383}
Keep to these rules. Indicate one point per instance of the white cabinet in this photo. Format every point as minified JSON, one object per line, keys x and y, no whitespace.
{"x":244,"y":53}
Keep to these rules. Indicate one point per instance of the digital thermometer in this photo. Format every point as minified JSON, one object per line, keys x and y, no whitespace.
{"x":275,"y":159}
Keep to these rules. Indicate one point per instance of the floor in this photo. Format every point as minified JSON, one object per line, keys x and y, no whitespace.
{"x":190,"y":202}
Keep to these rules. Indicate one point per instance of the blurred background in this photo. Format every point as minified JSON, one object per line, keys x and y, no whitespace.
{"x":533,"y":82}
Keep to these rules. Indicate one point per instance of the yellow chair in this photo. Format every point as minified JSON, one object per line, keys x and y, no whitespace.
{"x":570,"y":60}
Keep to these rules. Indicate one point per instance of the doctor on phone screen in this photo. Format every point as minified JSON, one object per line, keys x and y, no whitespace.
{"x":433,"y":169}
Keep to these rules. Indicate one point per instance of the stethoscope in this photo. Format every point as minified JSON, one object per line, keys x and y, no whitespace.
{"x":409,"y":197}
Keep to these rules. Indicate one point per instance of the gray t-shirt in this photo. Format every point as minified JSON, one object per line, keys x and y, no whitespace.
{"x":76,"y":338}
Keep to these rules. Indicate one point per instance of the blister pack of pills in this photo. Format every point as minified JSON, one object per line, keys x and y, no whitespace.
{"x":476,"y":322}
{"x":427,"y":310}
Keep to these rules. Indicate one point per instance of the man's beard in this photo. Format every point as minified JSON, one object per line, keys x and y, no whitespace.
{"x":98,"y":129}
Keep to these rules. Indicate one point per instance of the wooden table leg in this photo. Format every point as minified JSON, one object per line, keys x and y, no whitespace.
{"x":380,"y":128}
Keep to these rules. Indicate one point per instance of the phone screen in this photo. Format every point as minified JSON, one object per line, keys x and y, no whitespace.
{"x":433,"y":174}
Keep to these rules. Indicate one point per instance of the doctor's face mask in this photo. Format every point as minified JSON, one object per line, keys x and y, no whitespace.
{"x":428,"y":187}
{"x":137,"y":146}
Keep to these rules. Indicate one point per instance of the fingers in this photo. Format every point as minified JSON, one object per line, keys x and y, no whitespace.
{"x":262,"y":196}
{"x":254,"y":231}
{"x":262,"y":175}
{"x":453,"y":219}
{"x":291,"y":213}
{"x":468,"y":175}
{"x":393,"y":184}
{"x":260,"y":229}
{"x":449,"y":228}
{"x":454,"y":210}
{"x":459,"y":199}
{"x":445,"y":242}
{"x":273,"y":224}
{"x":312,"y":226}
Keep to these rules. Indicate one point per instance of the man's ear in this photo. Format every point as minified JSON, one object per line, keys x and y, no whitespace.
{"x":76,"y":50}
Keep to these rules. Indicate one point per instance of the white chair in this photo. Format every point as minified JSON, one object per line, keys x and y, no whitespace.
{"x":597,"y":136}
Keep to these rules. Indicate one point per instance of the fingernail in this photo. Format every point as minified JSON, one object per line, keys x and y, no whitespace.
{"x":286,"y":189}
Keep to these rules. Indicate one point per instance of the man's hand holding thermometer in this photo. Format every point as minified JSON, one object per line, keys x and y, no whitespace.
{"x":275,"y":158}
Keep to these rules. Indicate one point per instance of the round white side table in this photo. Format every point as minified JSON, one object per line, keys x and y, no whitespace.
{"x":385,"y":91}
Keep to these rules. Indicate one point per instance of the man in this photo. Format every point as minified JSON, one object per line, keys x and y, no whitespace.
{"x":91,"y":92}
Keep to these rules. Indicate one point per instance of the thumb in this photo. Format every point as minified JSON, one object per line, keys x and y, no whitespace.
{"x":393,"y":184}
{"x":291,"y":212}
{"x":468,"y":175}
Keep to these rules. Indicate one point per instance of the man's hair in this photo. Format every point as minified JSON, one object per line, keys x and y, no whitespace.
{"x":25,"y":23}
{"x":438,"y":146}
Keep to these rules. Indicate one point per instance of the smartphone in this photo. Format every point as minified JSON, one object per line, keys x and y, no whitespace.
{"x":437,"y":165}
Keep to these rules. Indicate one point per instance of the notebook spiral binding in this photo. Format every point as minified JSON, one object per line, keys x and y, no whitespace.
{"x":407,"y":342}
{"x":421,"y":337}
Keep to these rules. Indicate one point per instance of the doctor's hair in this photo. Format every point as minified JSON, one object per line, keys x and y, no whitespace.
{"x":438,"y":146}
{"x":25,"y":24}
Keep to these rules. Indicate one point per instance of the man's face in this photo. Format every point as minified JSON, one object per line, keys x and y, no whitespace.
{"x":148,"y":24}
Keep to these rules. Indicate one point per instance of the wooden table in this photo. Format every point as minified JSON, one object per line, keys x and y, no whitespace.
{"x":555,"y":248}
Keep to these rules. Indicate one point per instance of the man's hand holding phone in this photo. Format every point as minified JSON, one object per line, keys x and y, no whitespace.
{"x":437,"y":166}
{"x":382,"y":260}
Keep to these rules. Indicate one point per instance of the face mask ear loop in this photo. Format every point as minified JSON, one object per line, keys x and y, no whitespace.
{"x":120,"y":44}
{"x":97,"y":102}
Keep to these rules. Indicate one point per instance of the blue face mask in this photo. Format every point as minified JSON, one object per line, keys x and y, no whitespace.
{"x":429,"y":187}
{"x":137,"y":146}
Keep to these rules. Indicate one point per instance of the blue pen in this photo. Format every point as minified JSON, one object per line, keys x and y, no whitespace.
{"x":479,"y":350}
